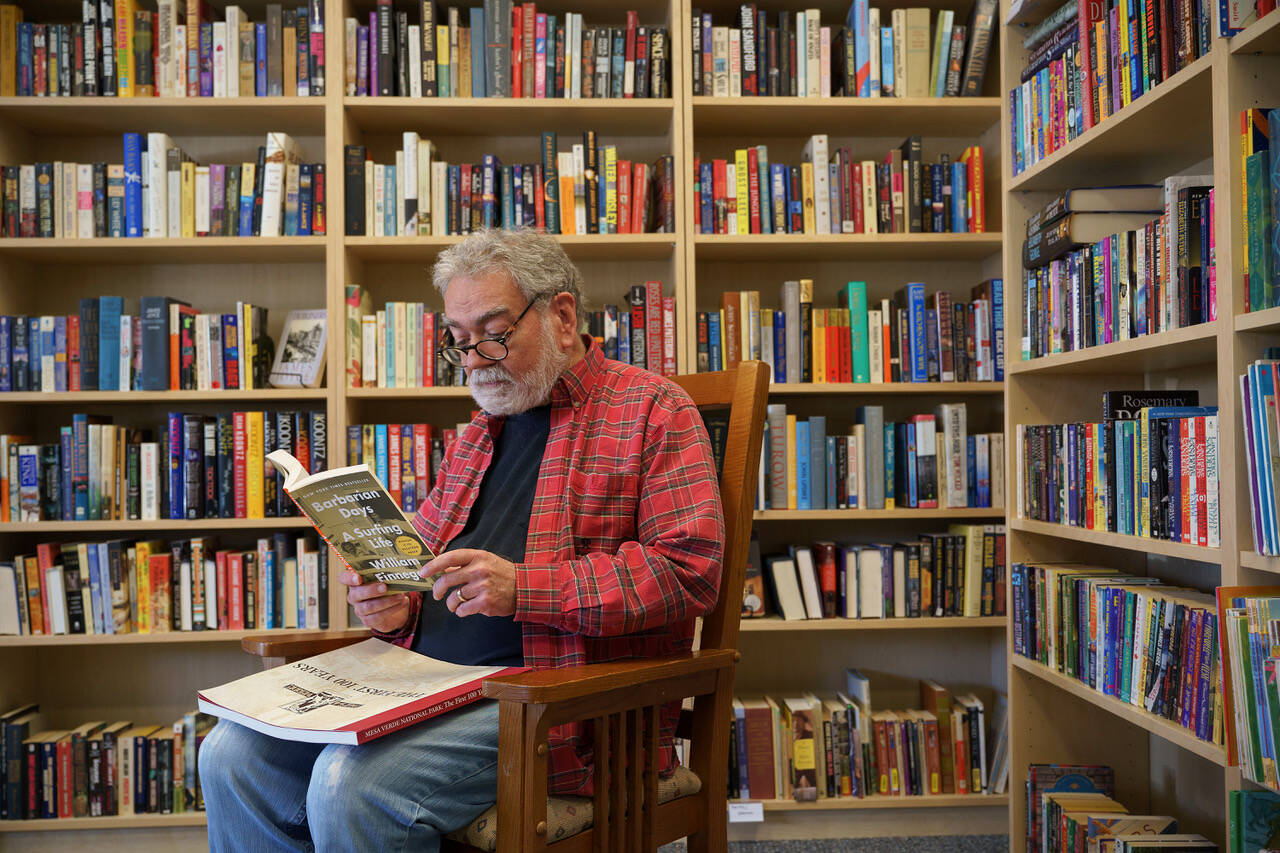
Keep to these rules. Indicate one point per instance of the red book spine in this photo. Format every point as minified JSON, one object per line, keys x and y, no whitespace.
{"x":629,"y":55}
{"x":235,"y":591}
{"x":220,"y":578}
{"x":668,"y":336}
{"x":832,"y":349}
{"x":653,"y":328}
{"x":624,"y":197}
{"x":527,"y":33}
{"x":73,"y":353}
{"x":239,"y":435}
{"x":1186,"y":469}
{"x":720,"y":195}
{"x":846,"y":353}
{"x":393,"y":461}
{"x":753,"y":189}
{"x":539,"y":199}
{"x":46,"y":556}
{"x":859,"y":221}
{"x":301,"y":446}
{"x":429,"y":350}
{"x":64,"y":778}
{"x":1202,"y":501}
{"x":517,"y":53}
{"x":422,"y":459}
{"x":639,"y":197}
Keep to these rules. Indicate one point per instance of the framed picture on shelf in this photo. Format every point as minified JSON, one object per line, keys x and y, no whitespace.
{"x":300,"y":356}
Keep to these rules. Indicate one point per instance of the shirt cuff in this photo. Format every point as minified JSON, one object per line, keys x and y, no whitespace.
{"x":537,"y":592}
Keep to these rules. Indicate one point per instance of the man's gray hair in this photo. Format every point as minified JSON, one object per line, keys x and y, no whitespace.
{"x":536,"y":263}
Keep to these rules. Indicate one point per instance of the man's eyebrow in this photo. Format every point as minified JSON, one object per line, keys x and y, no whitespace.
{"x":482,"y":319}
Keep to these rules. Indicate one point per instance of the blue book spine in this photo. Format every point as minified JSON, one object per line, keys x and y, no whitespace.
{"x":802,"y":465}
{"x":886,"y":60}
{"x":231,"y":351}
{"x":478,"y":71}
{"x":60,"y":349}
{"x":779,"y":346}
{"x":269,"y":582}
{"x":714,"y":356}
{"x":104,"y":588}
{"x":997,"y":325}
{"x":706,"y":213}
{"x":916,"y":317}
{"x":765,"y":179}
{"x":109,"y":311}
{"x":817,"y":466}
{"x":389,"y":209}
{"x":982,"y":462}
{"x":832,"y":455}
{"x":936,"y":196}
{"x":888,"y":460}
{"x":6,"y":354}
{"x":858,"y":19}
{"x":489,"y":176}
{"x":95,"y":588}
{"x":177,"y":494}
{"x":913,"y":495}
{"x":260,"y":63}
{"x":959,"y":199}
{"x":66,"y":486}
{"x":80,"y":465}
{"x":246,"y":210}
{"x":26,"y":59}
{"x":133,"y":147}
{"x":1204,"y":688}
{"x":624,"y":338}
{"x":778,"y":194}
{"x":971,"y":465}
{"x":37,"y":351}
{"x":380,"y":453}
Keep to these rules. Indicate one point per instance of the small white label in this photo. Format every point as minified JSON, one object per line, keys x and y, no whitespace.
{"x":746,"y":812}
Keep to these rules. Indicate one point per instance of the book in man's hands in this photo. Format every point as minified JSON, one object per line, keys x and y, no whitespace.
{"x":350,"y":695}
{"x":357,"y":516}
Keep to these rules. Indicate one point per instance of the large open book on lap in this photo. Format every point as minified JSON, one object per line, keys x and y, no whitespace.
{"x":350,"y":695}
{"x":355,"y":514}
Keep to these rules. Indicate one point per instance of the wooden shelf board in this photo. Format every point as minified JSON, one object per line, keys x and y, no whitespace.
{"x":162,"y":637}
{"x":1262,"y":36}
{"x":942,"y":801}
{"x":870,"y":514}
{"x":126,"y":397}
{"x":773,"y":623}
{"x":1160,"y":352}
{"x":1259,"y":562}
{"x":166,"y":250}
{"x":877,"y":389}
{"x":1118,"y":540}
{"x":950,"y":117}
{"x":581,"y":247}
{"x":840,"y":247}
{"x":1156,"y":725}
{"x":510,"y":116}
{"x":451,"y":392}
{"x":94,"y":116}
{"x":1120,"y":149}
{"x":1026,"y":11}
{"x":1267,"y":320}
{"x":167,"y":524}
{"x":149,"y":821}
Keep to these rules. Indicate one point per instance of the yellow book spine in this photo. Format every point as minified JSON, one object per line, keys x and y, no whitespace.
{"x":742,"y":187}
{"x":442,"y":55}
{"x":188,"y":175}
{"x":792,"y":489}
{"x":724,"y":353}
{"x":253,"y":465}
{"x":142,"y":580}
{"x":368,"y":447}
{"x":819,"y":345}
{"x":1122,"y":9}
{"x":124,"y":48}
{"x":806,"y":192}
{"x":10,"y":15}
{"x":248,"y":346}
{"x":1140,"y":478}
{"x":611,"y":188}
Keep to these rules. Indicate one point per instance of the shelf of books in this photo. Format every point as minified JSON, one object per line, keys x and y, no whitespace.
{"x":1144,"y":334}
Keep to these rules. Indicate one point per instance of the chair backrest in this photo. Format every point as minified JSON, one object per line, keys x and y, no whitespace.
{"x":744,"y":390}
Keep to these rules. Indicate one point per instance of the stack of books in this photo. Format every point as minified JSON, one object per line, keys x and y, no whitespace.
{"x":1088,"y":61}
{"x":166,"y":346}
{"x":811,"y":746}
{"x":871,"y":55}
{"x":1149,"y":468}
{"x":1106,"y":264}
{"x":158,"y":191}
{"x":927,"y":461}
{"x":958,"y":573}
{"x":504,"y":50}
{"x":1075,"y":820}
{"x":128,"y":586}
{"x":826,"y":194}
{"x":1260,"y":169}
{"x":587,"y":190}
{"x":1126,"y":636}
{"x":908,"y":338}
{"x":177,"y":51}
{"x":99,"y":769}
{"x":193,"y":466}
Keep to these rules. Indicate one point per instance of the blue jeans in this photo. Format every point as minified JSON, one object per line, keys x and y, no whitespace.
{"x":399,"y":792}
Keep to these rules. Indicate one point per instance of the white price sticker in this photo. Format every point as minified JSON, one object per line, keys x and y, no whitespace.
{"x":746,"y":812}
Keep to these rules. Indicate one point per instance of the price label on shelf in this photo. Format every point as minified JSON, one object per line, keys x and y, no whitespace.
{"x":746,"y":812}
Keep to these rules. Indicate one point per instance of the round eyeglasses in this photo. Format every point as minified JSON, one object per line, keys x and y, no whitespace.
{"x":490,"y":349}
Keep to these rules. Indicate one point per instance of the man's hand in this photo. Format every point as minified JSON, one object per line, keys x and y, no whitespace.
{"x":473,"y":581}
{"x":377,"y":610}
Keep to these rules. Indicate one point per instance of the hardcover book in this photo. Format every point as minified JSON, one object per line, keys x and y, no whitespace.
{"x":351,"y":695}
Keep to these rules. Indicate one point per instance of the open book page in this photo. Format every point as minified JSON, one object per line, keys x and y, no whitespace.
{"x":349,"y":695}
{"x":358,"y":517}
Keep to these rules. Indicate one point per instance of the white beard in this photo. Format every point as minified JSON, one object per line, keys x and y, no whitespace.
{"x":498,"y":393}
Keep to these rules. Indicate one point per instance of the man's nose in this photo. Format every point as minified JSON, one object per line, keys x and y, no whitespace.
{"x":473,"y":360}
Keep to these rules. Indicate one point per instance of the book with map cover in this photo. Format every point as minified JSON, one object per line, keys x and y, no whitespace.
{"x":350,"y":695}
{"x":357,"y":516}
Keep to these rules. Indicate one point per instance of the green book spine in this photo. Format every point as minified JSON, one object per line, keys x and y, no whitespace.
{"x":1258,"y":210}
{"x":1127,"y":662}
{"x":854,"y":295}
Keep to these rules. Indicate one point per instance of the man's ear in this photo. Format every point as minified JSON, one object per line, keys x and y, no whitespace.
{"x":564,"y":311}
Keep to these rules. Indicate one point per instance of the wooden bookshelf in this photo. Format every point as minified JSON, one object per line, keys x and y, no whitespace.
{"x":846,"y":247}
{"x":1188,"y":119}
{"x":79,"y":824}
{"x":882,"y":389}
{"x":176,"y":637}
{"x":96,"y":115}
{"x":114,"y":398}
{"x":876,"y":514}
{"x":580,"y":247}
{"x":890,"y":116}
{"x":933,"y":623}
{"x":178,"y":526}
{"x":940,"y":801}
{"x":165,"y":250}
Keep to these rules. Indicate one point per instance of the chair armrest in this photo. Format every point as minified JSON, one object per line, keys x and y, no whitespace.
{"x":303,"y":644}
{"x":547,"y":686}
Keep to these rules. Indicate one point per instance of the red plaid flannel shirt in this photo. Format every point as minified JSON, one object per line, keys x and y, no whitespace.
{"x":626,"y":534}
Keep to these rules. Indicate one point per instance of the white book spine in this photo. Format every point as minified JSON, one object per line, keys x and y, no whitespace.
{"x":379,"y":199}
{"x":735,"y":63}
{"x":369,"y":350}
{"x":202,"y":354}
{"x":824,"y":55}
{"x":381,"y":343}
{"x":158,"y":213}
{"x":84,"y":200}
{"x":415,"y":61}
{"x":220,"y":59}
{"x":800,"y":64}
{"x":166,"y":20}
{"x":873,"y":42}
{"x":370,"y":205}
{"x":816,"y":152}
{"x":813,"y":54}
{"x":149,"y":474}
{"x":407,"y":178}
{"x":70,"y":200}
{"x":179,"y":61}
{"x":126,"y":353}
{"x":202,"y":200}
{"x":59,"y":225}
{"x":425,"y":172}
{"x":234,"y":16}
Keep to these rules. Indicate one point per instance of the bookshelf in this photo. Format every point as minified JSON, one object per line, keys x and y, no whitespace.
{"x":154,"y":677}
{"x":1188,"y":124}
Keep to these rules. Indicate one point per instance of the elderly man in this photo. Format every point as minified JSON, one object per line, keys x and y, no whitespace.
{"x":578,"y":520}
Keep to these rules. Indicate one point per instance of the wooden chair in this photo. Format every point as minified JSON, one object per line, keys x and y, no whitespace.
{"x":623,"y":698}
